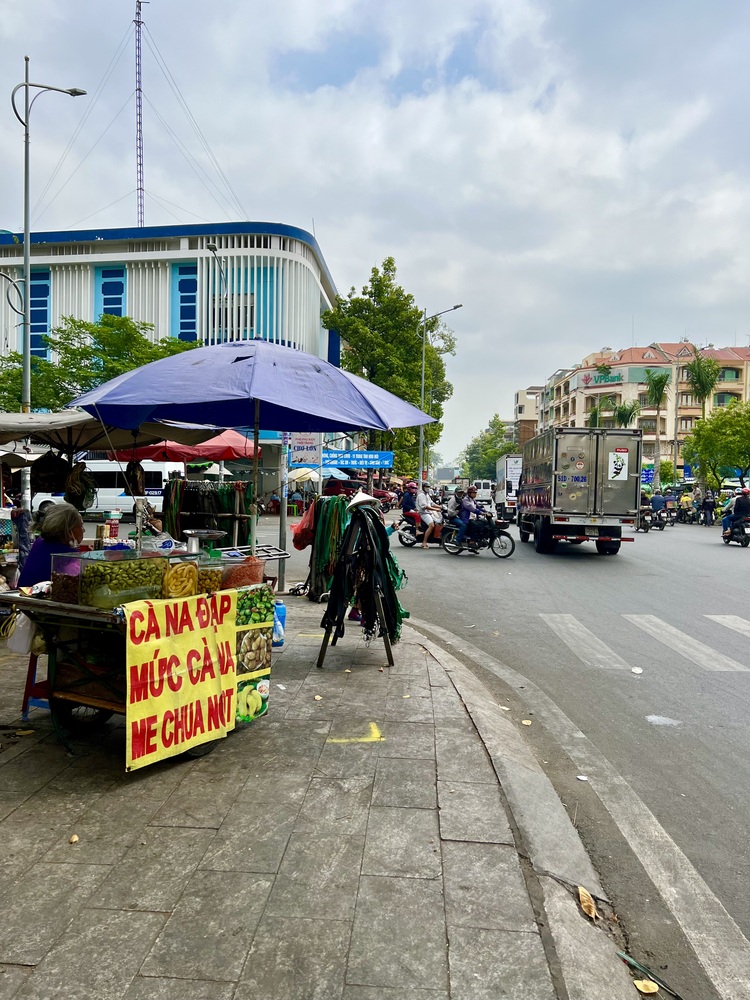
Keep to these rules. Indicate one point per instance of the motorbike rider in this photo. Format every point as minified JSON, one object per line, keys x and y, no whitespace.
{"x":409,"y":504}
{"x":645,"y":498}
{"x":709,"y":506}
{"x":427,"y":510}
{"x":454,"y":508}
{"x":740,"y":510}
{"x":657,"y":502}
{"x":469,"y":508}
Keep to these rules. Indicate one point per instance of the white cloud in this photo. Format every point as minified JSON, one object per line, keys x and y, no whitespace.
{"x":558,"y":170}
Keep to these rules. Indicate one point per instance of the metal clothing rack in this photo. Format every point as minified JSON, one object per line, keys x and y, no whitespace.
{"x":366,"y":540}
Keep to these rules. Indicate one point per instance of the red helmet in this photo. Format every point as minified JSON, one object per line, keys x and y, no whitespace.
{"x":412,"y":486}
{"x":746,"y":490}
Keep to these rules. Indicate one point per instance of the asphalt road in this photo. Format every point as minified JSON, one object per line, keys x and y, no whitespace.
{"x":666,"y":752}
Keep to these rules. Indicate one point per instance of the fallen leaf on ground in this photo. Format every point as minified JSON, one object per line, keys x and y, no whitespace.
{"x":582,"y":777}
{"x":587,"y":903}
{"x":24,"y":732}
{"x":469,"y":626}
{"x":348,"y":670}
{"x":73,"y":839}
{"x":525,"y":722}
{"x":645,"y":986}
{"x":318,"y":697}
{"x":505,"y":708}
{"x":406,"y":696}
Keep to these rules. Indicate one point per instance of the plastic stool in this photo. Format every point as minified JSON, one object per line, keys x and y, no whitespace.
{"x":36,"y":693}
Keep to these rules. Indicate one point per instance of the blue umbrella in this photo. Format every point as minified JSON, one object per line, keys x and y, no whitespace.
{"x":248,"y":383}
{"x":217,"y":385}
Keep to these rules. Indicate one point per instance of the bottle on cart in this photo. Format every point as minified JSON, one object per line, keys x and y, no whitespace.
{"x":279,"y":623}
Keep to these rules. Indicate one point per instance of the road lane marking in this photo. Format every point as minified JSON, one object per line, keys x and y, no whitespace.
{"x":741,"y":625}
{"x":693,"y":650}
{"x":719,"y":944}
{"x":589,"y":649}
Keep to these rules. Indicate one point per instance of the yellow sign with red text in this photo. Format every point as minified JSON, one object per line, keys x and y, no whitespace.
{"x":181,"y":674}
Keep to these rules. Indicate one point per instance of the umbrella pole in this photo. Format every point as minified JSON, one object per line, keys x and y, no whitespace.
{"x":283,"y":509}
{"x":254,"y":505}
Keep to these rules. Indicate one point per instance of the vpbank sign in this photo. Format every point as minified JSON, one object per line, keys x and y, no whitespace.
{"x":589,"y":379}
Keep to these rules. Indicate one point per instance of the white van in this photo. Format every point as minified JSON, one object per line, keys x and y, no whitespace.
{"x":112,"y":493}
{"x":485,"y":489}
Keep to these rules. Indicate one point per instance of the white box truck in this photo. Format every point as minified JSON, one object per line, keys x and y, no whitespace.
{"x":580,"y":484}
{"x":507,"y":474}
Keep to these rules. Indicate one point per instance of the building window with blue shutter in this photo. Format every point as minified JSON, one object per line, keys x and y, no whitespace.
{"x":184,"y":314}
{"x":40,"y":304}
{"x":110,"y":287}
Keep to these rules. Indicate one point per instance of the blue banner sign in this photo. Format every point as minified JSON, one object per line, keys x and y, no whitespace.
{"x":647,"y":476}
{"x":352,"y":460}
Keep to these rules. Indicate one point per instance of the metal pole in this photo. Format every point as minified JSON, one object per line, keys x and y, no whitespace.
{"x":421,"y":396}
{"x":26,"y":324}
{"x":675,"y":388}
{"x":282,"y":509}
{"x":254,"y":504}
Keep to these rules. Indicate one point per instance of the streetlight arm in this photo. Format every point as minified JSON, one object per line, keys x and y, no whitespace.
{"x":41,"y":87}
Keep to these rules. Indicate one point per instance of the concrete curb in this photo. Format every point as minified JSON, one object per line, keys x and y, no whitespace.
{"x":586,"y":956}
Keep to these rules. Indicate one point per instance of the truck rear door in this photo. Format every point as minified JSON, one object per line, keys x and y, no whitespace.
{"x":618,"y":473}
{"x":574,"y":471}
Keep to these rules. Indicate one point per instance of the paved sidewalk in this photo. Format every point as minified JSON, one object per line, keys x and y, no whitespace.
{"x":355,"y":847}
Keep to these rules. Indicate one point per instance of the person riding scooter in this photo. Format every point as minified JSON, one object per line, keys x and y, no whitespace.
{"x":427,"y":511}
{"x":740,"y":511}
{"x":469,"y":509}
{"x":409,"y":505}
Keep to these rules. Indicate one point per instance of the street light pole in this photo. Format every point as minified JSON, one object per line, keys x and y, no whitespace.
{"x":425,"y":321}
{"x":28,"y":101}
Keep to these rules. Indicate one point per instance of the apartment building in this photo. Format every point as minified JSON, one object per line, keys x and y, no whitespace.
{"x":570,"y":394}
{"x":526,"y":413}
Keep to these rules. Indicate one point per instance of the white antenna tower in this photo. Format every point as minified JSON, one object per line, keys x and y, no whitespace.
{"x":139,"y":111}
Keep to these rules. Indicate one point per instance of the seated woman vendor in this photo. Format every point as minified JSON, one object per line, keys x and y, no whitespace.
{"x":61,"y":531}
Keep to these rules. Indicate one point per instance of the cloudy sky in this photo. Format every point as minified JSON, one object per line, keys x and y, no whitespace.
{"x":572,"y":171}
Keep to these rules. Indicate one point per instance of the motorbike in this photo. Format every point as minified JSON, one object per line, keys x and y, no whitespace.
{"x":486,"y":533}
{"x":688,"y":515}
{"x":409,"y":534}
{"x":660,"y":519}
{"x":645,"y":519}
{"x":740,"y":533}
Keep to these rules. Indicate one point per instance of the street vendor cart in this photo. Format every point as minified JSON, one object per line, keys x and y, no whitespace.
{"x":159,"y":640}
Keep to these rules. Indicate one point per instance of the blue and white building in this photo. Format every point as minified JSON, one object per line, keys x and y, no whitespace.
{"x":258,"y":280}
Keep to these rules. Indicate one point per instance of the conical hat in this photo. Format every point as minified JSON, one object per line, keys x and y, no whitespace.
{"x":362,"y":499}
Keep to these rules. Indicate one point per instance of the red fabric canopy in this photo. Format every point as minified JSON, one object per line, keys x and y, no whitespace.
{"x":229,"y":445}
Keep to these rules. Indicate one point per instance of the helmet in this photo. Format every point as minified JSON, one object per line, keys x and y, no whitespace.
{"x":746,"y":490}
{"x":657,"y":493}
{"x":412,"y":486}
{"x":472,"y":489}
{"x":738,"y":491}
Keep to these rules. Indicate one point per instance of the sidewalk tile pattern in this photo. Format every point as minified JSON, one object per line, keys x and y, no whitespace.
{"x":354,"y":847}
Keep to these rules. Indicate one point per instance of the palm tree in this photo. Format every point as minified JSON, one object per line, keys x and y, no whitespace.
{"x":605,"y":404}
{"x":656,"y":396}
{"x":702,"y":375}
{"x":625,"y":413}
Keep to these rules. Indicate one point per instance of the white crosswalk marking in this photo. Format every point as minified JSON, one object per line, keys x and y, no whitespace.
{"x":700,"y":654}
{"x":741,"y":625}
{"x":586,"y":646}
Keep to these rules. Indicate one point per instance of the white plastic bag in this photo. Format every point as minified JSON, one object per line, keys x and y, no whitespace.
{"x":20,"y":639}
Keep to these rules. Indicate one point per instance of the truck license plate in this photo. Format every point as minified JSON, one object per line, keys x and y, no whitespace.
{"x":592,"y":532}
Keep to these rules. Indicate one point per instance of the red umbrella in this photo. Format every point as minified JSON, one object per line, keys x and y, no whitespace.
{"x":228,"y":446}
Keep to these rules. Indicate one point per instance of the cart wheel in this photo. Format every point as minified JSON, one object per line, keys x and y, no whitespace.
{"x":79,"y":718}
{"x":202,"y":749}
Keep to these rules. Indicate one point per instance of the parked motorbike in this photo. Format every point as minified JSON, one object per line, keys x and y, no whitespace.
{"x":740,"y":533}
{"x":486,"y":533}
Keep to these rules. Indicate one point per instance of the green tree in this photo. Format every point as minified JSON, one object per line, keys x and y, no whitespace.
{"x":602,"y":406}
{"x":666,"y":472}
{"x":625,"y":413}
{"x":83,"y":356}
{"x":656,"y":396}
{"x":381,"y":331}
{"x":702,"y":375}
{"x":720,"y":445}
{"x":479,"y":457}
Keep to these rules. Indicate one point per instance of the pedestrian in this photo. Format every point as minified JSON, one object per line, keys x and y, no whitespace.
{"x":709,"y":506}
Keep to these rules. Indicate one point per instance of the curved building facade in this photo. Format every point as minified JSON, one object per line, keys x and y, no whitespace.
{"x":257,"y":280}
